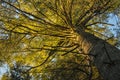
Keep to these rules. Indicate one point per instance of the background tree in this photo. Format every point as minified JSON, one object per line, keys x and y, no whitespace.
{"x":56,"y":39}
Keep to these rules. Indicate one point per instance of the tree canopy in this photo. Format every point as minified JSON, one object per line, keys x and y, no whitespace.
{"x":38,"y":39}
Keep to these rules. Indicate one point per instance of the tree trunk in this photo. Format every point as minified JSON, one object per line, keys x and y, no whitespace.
{"x":105,"y":56}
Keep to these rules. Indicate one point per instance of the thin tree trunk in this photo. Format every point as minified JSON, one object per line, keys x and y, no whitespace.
{"x":105,"y":56}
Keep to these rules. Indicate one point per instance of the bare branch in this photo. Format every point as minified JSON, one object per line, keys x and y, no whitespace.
{"x":27,"y":14}
{"x":99,"y":23}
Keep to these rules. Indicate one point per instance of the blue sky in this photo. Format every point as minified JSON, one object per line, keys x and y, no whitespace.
{"x":3,"y":69}
{"x":113,"y":19}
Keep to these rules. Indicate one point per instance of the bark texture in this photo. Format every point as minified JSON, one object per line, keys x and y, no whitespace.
{"x":105,"y":56}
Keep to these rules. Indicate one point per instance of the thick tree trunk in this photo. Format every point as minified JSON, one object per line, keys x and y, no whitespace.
{"x":105,"y":56}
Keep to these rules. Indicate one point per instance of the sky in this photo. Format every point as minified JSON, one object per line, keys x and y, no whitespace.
{"x":3,"y":69}
{"x":116,"y":28}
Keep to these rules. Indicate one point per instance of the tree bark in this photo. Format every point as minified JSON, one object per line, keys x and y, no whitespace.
{"x":105,"y":56}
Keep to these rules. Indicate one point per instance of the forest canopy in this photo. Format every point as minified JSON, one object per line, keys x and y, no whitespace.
{"x":39,"y":39}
